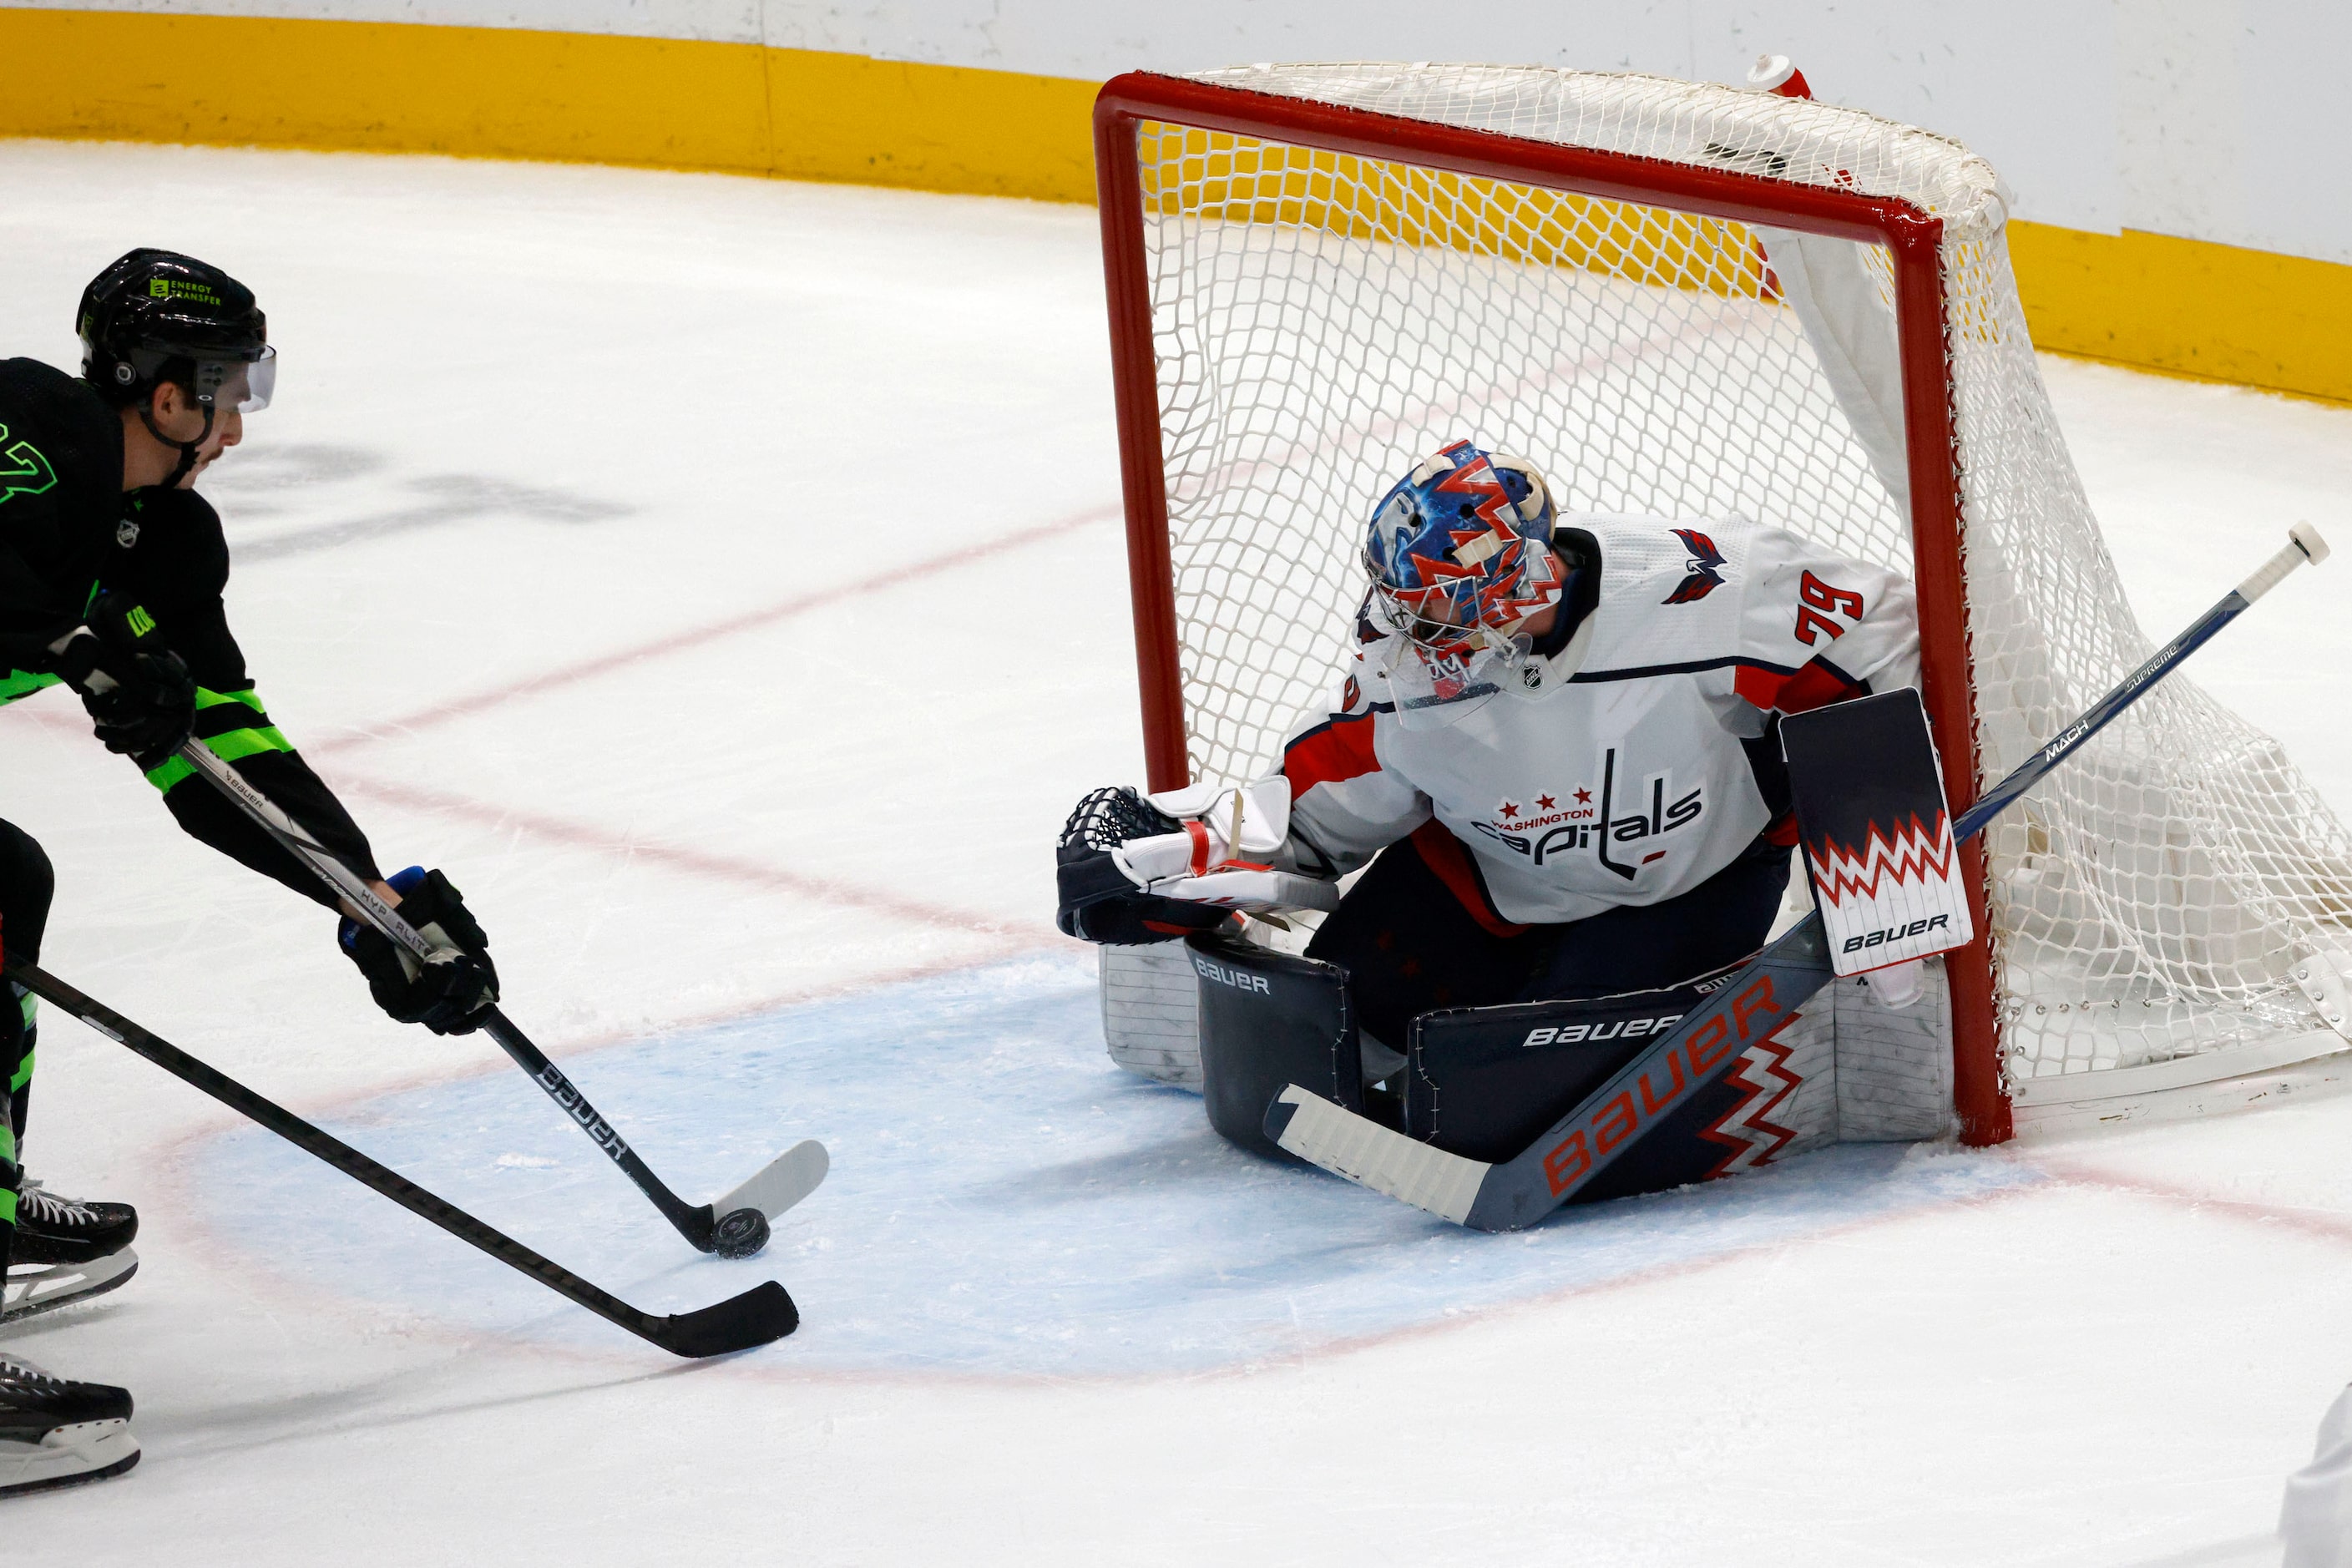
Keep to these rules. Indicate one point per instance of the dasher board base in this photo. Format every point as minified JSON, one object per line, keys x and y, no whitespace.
{"x":2178,"y":1090}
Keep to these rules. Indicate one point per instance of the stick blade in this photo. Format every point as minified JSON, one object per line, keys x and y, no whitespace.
{"x":786,"y":1180}
{"x":761,"y":1315}
{"x":1369,"y":1155}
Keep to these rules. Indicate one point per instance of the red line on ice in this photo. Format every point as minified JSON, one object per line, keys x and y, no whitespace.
{"x":2325,"y":1225}
{"x":677,"y":642}
{"x":1013,"y":936}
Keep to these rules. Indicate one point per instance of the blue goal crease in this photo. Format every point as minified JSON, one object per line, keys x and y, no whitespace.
{"x":1002,"y":1201}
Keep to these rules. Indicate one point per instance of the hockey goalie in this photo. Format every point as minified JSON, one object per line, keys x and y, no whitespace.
{"x":1555,"y":760}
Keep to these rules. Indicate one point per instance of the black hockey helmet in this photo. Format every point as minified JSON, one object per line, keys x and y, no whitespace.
{"x":156,"y":316}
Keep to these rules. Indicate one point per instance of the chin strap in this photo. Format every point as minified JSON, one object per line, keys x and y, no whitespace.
{"x":187,"y":448}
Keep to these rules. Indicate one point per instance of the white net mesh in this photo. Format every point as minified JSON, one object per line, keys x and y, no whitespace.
{"x":1321,"y":320}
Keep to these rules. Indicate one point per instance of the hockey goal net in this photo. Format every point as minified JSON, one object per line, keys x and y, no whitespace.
{"x":1687,"y":302}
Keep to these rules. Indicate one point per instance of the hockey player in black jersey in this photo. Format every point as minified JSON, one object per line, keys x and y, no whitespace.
{"x":111,"y":572}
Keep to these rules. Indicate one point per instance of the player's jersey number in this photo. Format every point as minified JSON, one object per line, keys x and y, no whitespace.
{"x":1821,"y":602}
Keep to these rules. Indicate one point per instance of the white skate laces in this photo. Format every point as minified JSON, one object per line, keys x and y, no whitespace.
{"x":38,"y":1203}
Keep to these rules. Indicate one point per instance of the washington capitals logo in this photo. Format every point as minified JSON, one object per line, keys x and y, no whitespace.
{"x":1704,"y":560}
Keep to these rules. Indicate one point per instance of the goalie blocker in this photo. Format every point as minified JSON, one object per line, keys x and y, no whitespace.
{"x":1477,"y":1082}
{"x":1877,"y":832}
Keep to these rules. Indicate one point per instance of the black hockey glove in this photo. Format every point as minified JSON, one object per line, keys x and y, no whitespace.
{"x":135,"y":688}
{"x":448,"y":995}
{"x":1098,"y":901}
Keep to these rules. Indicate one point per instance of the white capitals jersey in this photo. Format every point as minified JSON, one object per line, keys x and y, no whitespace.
{"x":1614,"y":771}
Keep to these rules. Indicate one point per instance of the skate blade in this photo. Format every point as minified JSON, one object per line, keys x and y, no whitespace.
{"x":87,"y":1451}
{"x":790,"y":1177}
{"x":37,"y":1287}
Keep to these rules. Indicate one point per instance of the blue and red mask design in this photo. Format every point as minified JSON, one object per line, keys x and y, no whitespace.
{"x":1459,"y":552}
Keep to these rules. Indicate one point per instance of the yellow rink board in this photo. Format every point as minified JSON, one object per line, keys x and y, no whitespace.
{"x":501,"y":92}
{"x":2178,"y":305}
{"x":2219,"y":313}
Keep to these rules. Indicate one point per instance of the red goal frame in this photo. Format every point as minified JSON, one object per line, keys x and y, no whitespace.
{"x":1912,"y":238}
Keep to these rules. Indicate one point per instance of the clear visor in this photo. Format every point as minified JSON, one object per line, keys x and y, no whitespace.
{"x":242,"y":384}
{"x":1432,"y":689}
{"x":1437,"y":673}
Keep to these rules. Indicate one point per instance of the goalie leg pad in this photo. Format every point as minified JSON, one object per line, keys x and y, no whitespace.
{"x":1485,"y":1082}
{"x":1268,"y":1019}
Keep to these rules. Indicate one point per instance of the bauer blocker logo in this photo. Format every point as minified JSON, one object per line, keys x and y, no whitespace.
{"x":1866,"y":940}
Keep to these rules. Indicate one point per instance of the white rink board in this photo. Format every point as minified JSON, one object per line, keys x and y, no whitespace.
{"x":526,"y":430}
{"x":2102,"y":118}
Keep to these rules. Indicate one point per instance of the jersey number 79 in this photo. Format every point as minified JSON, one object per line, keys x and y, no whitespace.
{"x":1818,"y":596}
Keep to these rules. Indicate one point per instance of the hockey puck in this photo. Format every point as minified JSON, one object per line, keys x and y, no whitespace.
{"x":739,"y":1234}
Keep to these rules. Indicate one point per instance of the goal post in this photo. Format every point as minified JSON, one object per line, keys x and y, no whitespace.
{"x":1315,"y":274}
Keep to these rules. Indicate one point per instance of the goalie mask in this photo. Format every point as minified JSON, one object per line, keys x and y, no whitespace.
{"x":1459,"y":553}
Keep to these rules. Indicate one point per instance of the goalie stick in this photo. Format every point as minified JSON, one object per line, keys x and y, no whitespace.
{"x":757,"y":1317}
{"x":1759,"y":1000}
{"x":736,"y":1226}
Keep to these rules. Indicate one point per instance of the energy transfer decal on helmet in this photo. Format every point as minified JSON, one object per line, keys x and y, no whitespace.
{"x":183,"y":289}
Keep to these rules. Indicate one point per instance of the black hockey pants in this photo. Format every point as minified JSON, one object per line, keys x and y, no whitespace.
{"x":1409,"y":943}
{"x":26,"y":885}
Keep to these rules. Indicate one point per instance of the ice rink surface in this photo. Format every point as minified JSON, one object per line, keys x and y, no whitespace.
{"x":721,"y":580}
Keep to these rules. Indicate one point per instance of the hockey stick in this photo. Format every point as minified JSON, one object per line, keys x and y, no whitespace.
{"x":736,"y":1226}
{"x":1748,"y":1008}
{"x":759,"y":1315}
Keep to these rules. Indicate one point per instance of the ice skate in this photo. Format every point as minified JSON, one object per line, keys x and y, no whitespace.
{"x":67,"y":1250}
{"x":52,"y":1228}
{"x":37,"y":1288}
{"x":55,"y":1432}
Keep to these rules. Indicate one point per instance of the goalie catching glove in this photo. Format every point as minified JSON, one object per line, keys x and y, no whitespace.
{"x":1138,"y":868}
{"x":447,"y":992}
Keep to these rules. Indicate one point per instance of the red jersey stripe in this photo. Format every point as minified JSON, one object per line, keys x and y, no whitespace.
{"x":1444,"y":854}
{"x":1330,"y":753}
{"x":1816,"y":685}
